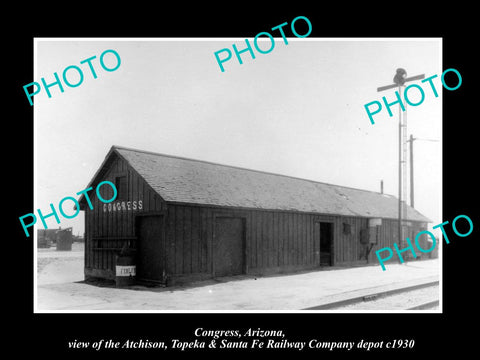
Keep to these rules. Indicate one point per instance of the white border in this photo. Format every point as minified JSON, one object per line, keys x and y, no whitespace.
{"x":34,"y":244}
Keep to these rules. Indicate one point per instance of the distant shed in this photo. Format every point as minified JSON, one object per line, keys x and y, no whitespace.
{"x":190,"y":220}
{"x":46,"y":237}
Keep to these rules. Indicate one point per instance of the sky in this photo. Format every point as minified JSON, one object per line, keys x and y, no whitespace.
{"x":297,"y":111}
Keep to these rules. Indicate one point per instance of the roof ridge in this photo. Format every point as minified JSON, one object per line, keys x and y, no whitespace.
{"x":243,"y":168}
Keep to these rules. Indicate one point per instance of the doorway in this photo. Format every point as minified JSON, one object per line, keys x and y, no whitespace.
{"x":149,"y":248}
{"x":324,"y":239}
{"x":229,"y":254}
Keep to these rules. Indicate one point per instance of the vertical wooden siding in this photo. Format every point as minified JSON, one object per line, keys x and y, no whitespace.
{"x":115,"y":226}
{"x":187,"y":234}
{"x":273,"y":240}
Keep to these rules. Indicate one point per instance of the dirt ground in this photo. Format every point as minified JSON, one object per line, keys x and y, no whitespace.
{"x":56,"y":267}
{"x":60,"y":287}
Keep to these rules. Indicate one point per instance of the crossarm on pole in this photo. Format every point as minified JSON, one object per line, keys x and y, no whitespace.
{"x":411,"y":78}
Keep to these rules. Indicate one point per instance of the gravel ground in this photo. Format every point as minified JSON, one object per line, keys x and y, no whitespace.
{"x":60,"y":287}
{"x":400,"y":301}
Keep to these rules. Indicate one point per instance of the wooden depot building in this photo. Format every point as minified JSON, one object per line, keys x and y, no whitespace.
{"x":189,"y":220}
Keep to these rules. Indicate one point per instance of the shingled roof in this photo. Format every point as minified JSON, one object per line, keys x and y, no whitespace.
{"x":182,"y":180}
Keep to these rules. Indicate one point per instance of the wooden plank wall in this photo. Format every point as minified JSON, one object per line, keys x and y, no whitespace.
{"x":115,"y":226}
{"x":280,"y":240}
{"x":347,"y":246}
{"x":186,"y":243}
{"x":274,"y":240}
{"x":388,"y":235}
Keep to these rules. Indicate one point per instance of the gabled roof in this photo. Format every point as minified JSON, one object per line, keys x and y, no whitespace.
{"x":182,"y":180}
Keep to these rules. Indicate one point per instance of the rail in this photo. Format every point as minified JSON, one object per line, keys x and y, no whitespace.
{"x":374,"y":295}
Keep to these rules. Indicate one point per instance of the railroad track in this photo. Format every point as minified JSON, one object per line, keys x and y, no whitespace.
{"x":420,"y":296}
{"x":425,"y":306}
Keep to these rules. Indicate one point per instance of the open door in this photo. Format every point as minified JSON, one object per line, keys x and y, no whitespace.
{"x":324,"y":241}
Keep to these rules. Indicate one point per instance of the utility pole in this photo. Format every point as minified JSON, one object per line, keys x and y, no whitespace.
{"x":412,"y":202}
{"x":412,"y":182}
{"x":399,"y":80}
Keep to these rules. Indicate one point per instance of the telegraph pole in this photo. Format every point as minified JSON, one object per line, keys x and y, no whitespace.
{"x":399,"y":81}
{"x":412,"y":182}
{"x":412,"y":203}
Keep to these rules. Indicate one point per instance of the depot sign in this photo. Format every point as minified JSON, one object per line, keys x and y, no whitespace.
{"x":123,"y":206}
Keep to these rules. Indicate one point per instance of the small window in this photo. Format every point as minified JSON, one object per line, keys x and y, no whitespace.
{"x":121,"y":185}
{"x":347,"y":229}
